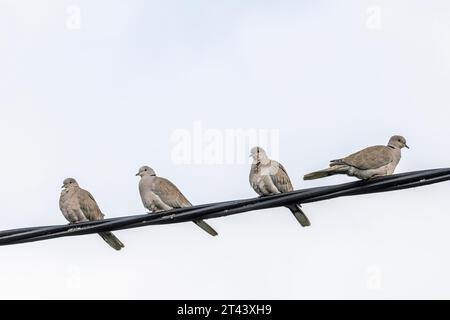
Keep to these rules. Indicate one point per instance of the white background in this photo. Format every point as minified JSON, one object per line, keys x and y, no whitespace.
{"x":98,"y":101}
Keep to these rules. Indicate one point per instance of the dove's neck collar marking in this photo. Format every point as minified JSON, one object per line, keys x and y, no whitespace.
{"x":72,"y":187}
{"x":262,"y":159}
{"x":153,"y":175}
{"x":69,"y":191}
{"x":393,"y":147}
{"x":262,"y":162}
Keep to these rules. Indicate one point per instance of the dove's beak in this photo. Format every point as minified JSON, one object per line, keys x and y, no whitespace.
{"x":406,"y":146}
{"x":62,"y":187}
{"x":137,"y":174}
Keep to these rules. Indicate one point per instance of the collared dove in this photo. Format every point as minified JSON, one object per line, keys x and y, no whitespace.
{"x":78,"y":205}
{"x":369,"y":163}
{"x":159,"y":194}
{"x":268,"y":177}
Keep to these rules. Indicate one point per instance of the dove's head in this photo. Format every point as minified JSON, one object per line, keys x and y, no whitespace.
{"x":70,"y":183}
{"x":258,"y":153}
{"x":146,"y":171}
{"x":398,"y":142}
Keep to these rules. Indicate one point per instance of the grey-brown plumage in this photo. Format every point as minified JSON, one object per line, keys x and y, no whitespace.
{"x":159,"y":194}
{"x":78,"y":205}
{"x":368,"y":163}
{"x":268,"y":177}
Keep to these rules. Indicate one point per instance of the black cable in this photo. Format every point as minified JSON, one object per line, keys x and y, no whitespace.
{"x":215,"y":210}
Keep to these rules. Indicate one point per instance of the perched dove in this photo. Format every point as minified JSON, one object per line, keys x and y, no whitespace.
{"x":159,"y":194}
{"x":268,"y":177}
{"x":369,"y":163}
{"x":78,"y":205}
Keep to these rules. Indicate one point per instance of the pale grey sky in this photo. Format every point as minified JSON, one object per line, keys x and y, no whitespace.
{"x":99,"y":96}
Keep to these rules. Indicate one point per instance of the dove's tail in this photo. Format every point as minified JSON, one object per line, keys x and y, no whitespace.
{"x":112,"y":240}
{"x":297,"y":211}
{"x":335,"y":169}
{"x":202,"y":224}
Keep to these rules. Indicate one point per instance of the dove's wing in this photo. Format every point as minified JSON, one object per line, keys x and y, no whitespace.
{"x":89,"y":206}
{"x":170,"y":194}
{"x":369,"y":158}
{"x":280,"y":177}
